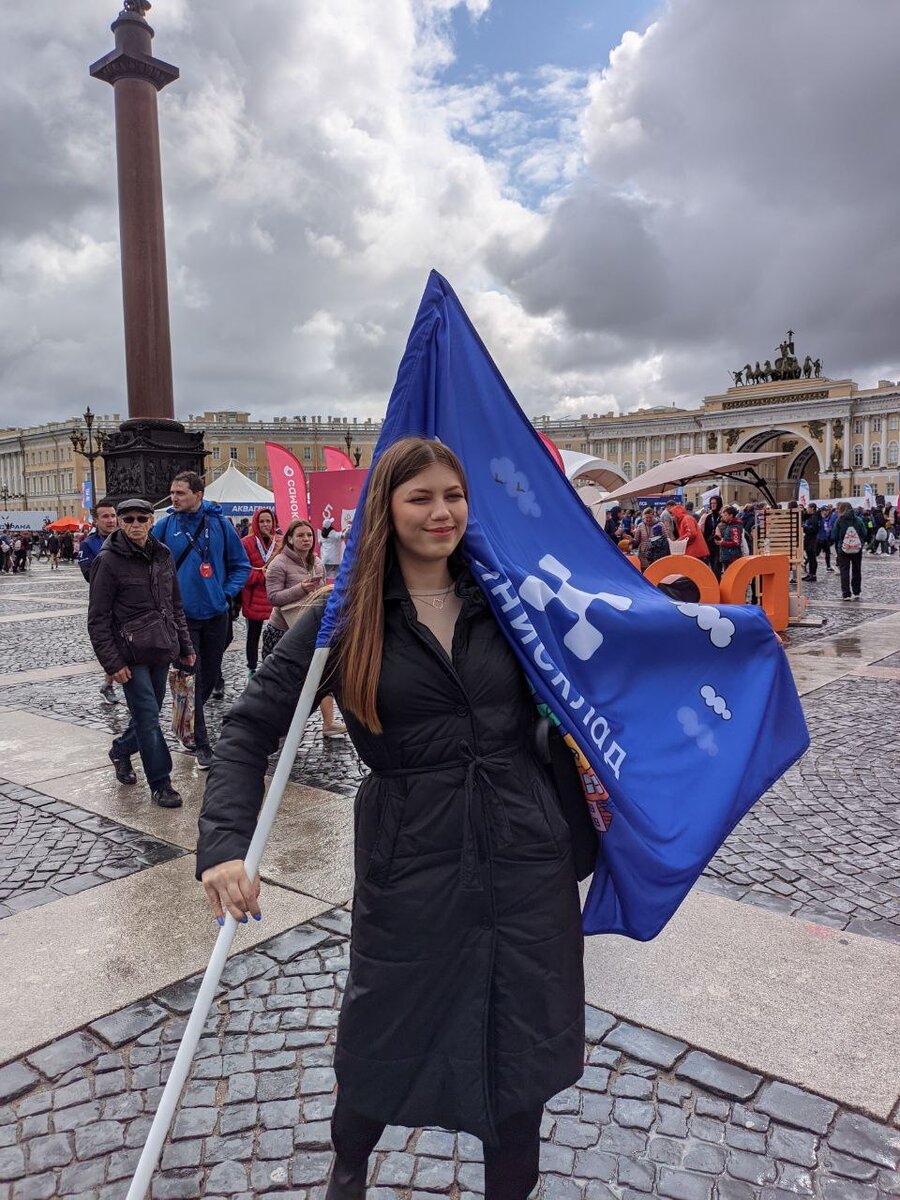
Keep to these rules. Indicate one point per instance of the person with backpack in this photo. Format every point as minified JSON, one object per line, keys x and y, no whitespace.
{"x":849,"y":539}
{"x":212,"y":568}
{"x":729,"y":537}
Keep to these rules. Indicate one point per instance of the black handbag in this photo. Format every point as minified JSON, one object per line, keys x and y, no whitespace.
{"x":147,"y":639}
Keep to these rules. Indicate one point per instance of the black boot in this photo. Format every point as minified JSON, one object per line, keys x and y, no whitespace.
{"x":347,"y":1183}
{"x":124,"y":773}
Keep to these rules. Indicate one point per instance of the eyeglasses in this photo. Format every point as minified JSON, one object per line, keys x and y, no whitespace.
{"x":142,"y":518}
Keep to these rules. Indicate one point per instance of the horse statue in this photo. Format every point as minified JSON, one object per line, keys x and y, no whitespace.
{"x":767,"y":371}
{"x":807,"y":367}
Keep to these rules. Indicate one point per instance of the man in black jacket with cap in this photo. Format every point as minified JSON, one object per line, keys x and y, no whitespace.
{"x":137,"y":627}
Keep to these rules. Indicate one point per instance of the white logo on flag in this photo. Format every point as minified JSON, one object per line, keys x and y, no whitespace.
{"x":583,"y":639}
{"x":711,"y":621}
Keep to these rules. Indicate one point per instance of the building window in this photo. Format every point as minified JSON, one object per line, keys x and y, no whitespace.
{"x":858,"y":425}
{"x":656,"y":443}
{"x":583,"y":447}
{"x":641,"y":467}
{"x":251,"y":474}
{"x":232,"y":453}
{"x":876,"y":455}
{"x":857,"y":490}
{"x":670,"y":443}
{"x":640,"y":444}
{"x":894,"y":421}
{"x":307,"y":454}
{"x":876,"y":424}
{"x":656,"y":462}
{"x":626,"y":445}
{"x":215,"y":453}
{"x":684,"y":442}
{"x":626,"y":467}
{"x":857,"y":456}
{"x":893,"y":454}
{"x":251,"y":454}
{"x":613,"y":449}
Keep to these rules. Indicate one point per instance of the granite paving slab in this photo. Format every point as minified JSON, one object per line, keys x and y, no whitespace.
{"x":254,"y":1117}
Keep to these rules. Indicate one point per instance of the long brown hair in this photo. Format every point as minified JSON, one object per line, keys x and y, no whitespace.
{"x":361,"y":625}
{"x":289,"y":533}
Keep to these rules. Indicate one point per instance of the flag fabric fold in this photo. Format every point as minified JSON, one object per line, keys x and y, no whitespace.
{"x":681,"y":715}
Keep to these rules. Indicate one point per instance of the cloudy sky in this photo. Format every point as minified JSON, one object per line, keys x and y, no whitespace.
{"x":630,"y":198}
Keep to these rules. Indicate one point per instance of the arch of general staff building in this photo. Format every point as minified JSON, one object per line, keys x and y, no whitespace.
{"x":831,"y":433}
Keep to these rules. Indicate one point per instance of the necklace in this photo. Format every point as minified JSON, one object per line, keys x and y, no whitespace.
{"x":435,"y":599}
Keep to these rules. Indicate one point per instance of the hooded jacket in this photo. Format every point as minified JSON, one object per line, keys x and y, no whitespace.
{"x":465,"y":998}
{"x":129,"y":585}
{"x":254,"y":602}
{"x":688,"y":528}
{"x":217,"y":543}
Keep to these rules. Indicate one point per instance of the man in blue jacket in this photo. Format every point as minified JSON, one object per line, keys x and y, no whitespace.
{"x":105,"y":523}
{"x":212,"y":567}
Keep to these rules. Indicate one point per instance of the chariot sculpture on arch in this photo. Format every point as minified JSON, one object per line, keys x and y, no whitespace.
{"x":141,"y":7}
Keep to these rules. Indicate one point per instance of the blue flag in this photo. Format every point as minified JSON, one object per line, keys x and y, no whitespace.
{"x":684,"y":714}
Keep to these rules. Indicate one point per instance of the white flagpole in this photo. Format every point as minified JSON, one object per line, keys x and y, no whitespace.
{"x":140,"y":1184}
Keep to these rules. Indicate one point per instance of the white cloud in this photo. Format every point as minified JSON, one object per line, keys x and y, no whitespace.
{"x":619,"y":239}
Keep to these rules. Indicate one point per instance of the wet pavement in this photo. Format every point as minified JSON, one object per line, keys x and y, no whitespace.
{"x":672,"y":1103}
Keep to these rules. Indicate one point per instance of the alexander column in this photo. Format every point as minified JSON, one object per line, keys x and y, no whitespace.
{"x":151,"y":446}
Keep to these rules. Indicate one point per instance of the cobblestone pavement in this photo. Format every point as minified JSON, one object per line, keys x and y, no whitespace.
{"x":650,"y":1116}
{"x":824,"y":842}
{"x":50,"y":849}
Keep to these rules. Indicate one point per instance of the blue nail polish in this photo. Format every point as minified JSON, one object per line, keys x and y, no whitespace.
{"x":244,"y":920}
{"x":257,"y":916}
{"x":220,"y":920}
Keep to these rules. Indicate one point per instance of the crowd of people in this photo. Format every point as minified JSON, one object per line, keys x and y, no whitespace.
{"x":168,"y":593}
{"x":717,"y":535}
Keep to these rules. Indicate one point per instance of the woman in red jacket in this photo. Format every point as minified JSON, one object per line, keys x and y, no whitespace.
{"x":261,"y":543}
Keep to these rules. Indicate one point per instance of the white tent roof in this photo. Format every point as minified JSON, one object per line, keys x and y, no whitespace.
{"x":585,"y":466}
{"x":233,"y":487}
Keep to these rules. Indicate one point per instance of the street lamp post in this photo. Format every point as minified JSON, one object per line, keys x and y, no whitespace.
{"x":835,"y":465}
{"x":348,"y":442}
{"x":77,"y":439}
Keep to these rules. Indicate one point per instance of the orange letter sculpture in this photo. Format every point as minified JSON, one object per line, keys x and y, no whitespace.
{"x":692,"y":568}
{"x":772,"y":571}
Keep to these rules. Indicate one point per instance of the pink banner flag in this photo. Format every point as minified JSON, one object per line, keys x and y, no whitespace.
{"x":337,"y":460}
{"x":552,"y":447}
{"x":288,"y":484}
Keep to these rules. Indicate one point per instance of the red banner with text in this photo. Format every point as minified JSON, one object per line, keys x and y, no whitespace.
{"x":335,"y":494}
{"x":288,"y":485}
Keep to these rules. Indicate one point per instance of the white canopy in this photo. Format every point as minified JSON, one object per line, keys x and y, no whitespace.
{"x":237,"y":495}
{"x":584,"y":466}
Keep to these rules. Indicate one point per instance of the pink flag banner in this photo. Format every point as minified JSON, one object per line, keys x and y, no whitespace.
{"x":337,"y":460}
{"x":288,"y":484}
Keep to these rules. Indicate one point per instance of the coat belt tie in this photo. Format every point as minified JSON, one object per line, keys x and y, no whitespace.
{"x":478,"y":769}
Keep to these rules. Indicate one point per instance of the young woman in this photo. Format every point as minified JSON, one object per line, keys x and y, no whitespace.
{"x":464,"y":1006}
{"x":260,"y":544}
{"x":292,"y":577}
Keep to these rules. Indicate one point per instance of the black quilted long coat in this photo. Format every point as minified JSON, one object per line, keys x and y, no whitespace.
{"x":465,"y":998}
